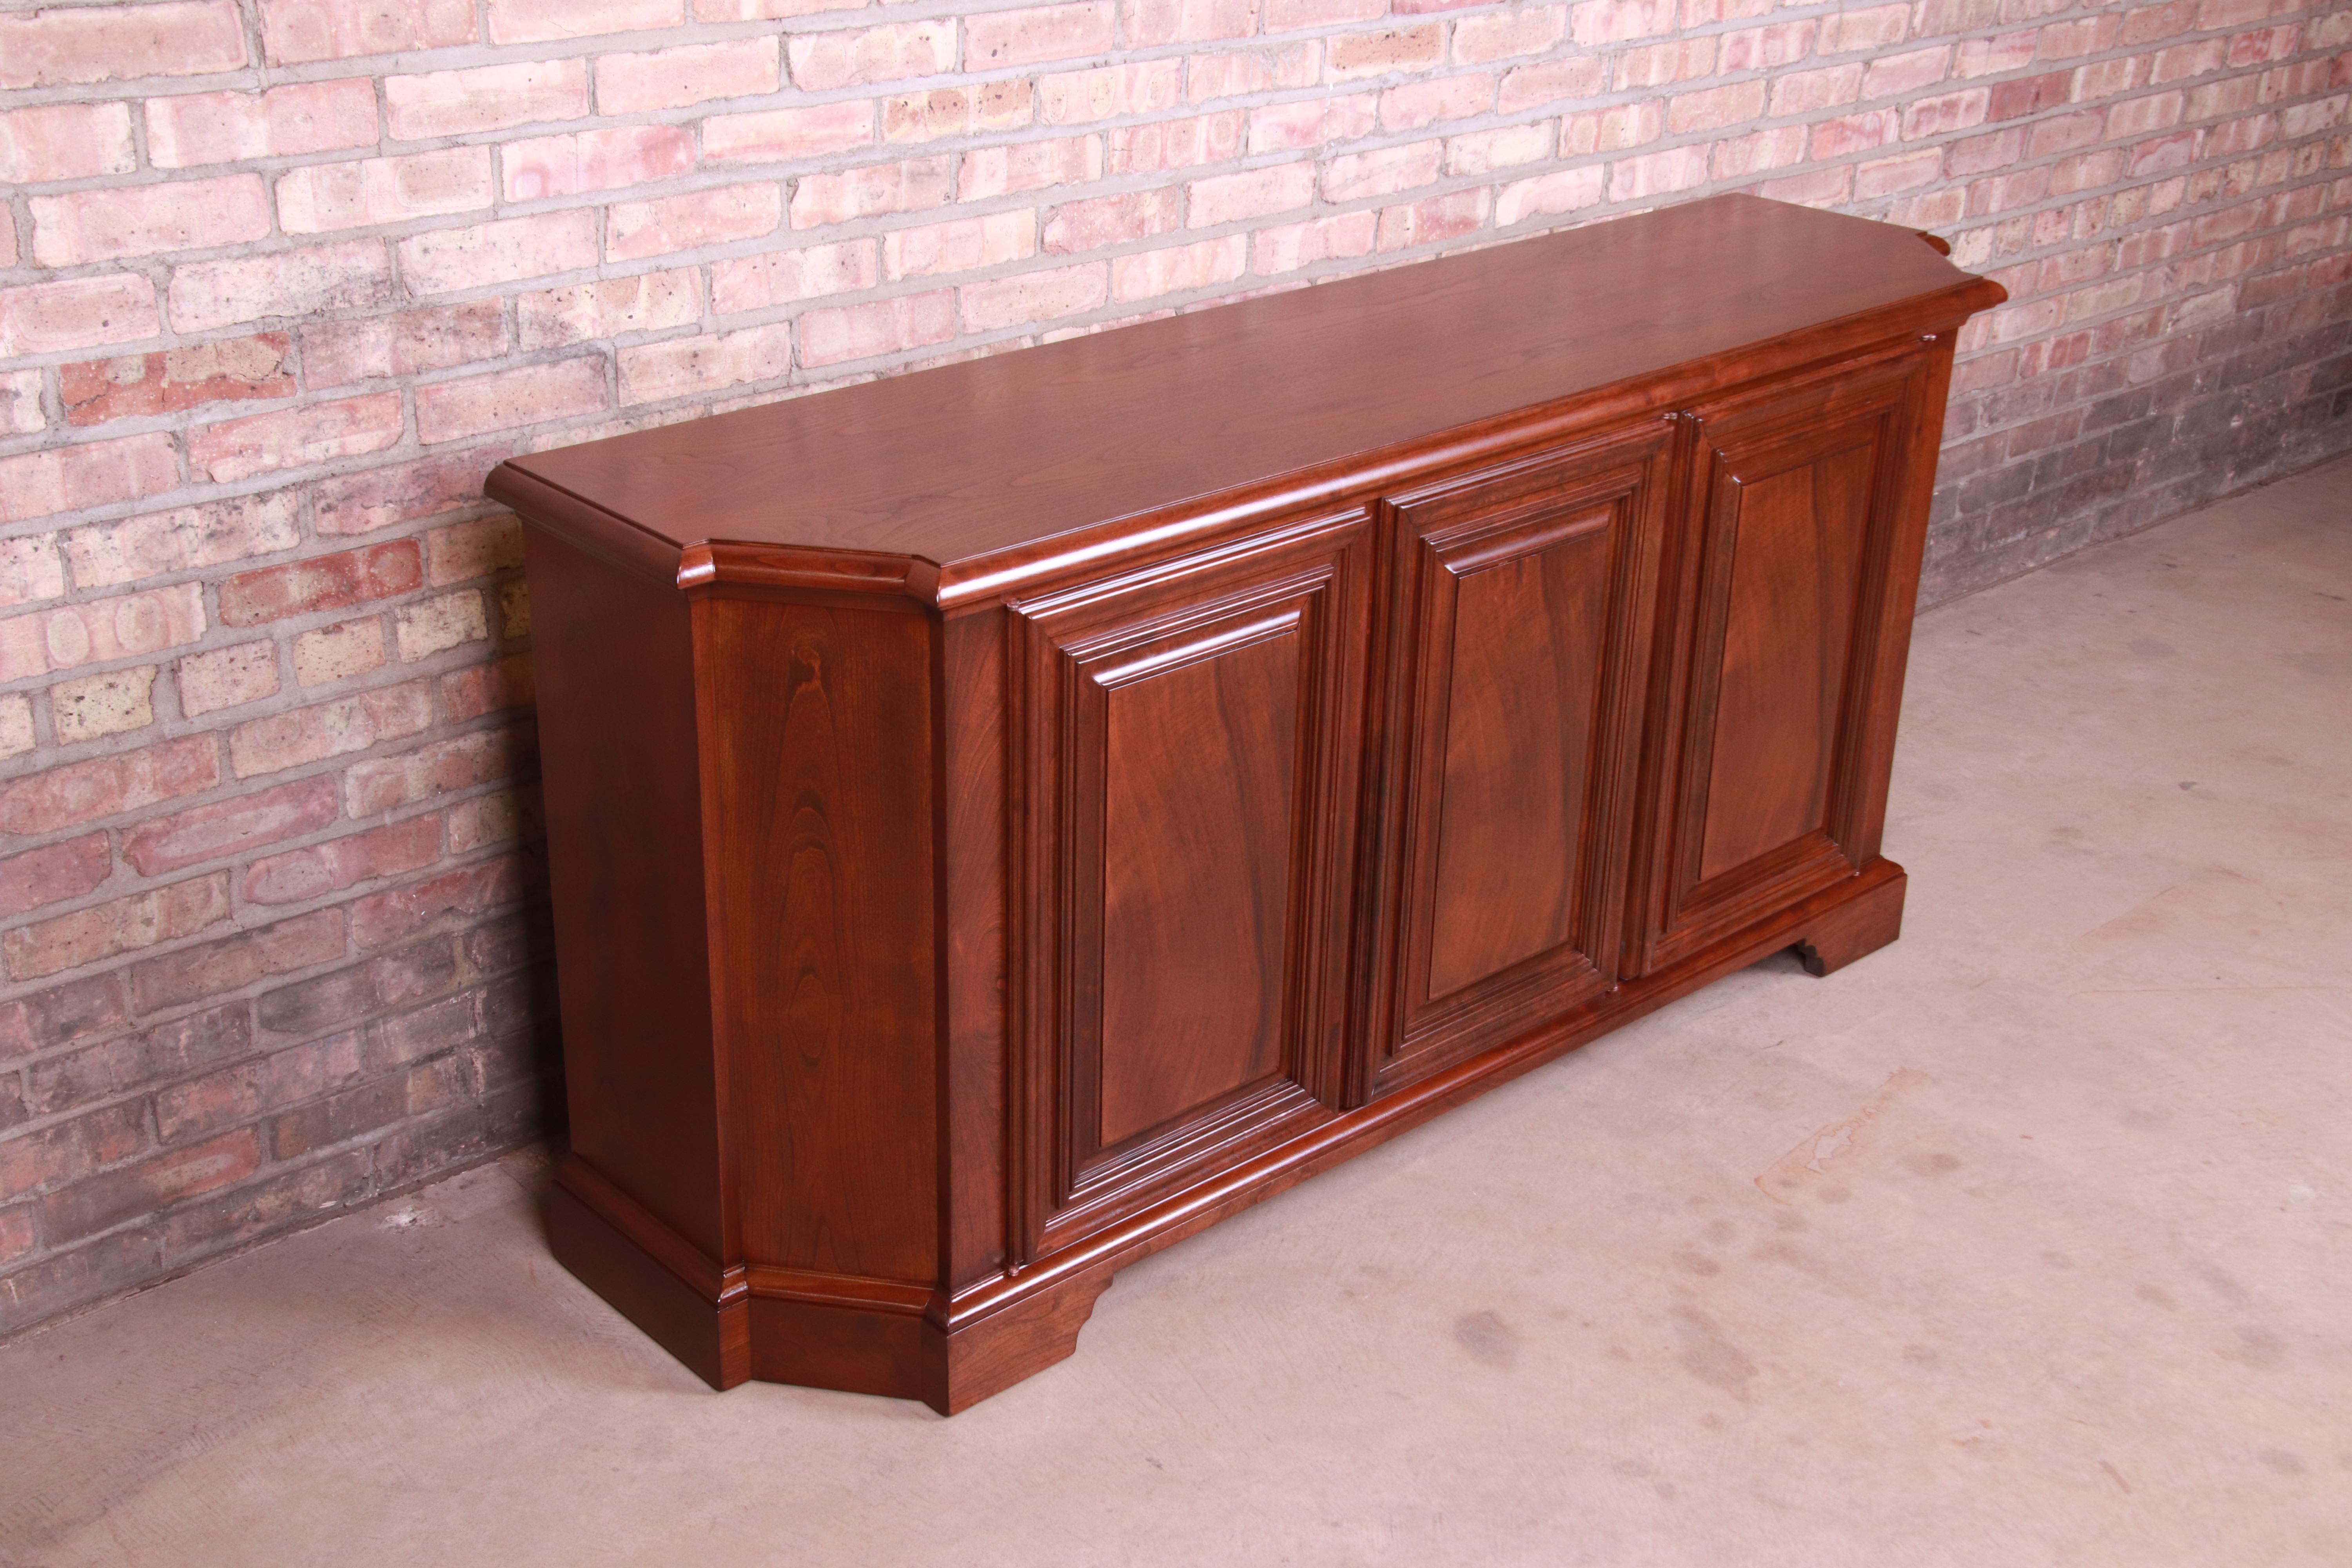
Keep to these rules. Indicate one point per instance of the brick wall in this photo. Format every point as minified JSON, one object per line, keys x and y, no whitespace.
{"x":280,"y":280}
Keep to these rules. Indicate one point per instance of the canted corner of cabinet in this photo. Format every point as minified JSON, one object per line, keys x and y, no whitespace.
{"x":719,"y":563}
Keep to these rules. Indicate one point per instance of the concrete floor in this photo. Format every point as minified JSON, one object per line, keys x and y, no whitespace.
{"x":2028,"y":1240}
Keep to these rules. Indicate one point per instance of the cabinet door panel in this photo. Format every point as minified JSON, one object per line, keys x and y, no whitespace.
{"x":1525,"y":597}
{"x":1788,"y":632}
{"x":1797,"y":499}
{"x":1196,"y":855}
{"x":1187,"y":740}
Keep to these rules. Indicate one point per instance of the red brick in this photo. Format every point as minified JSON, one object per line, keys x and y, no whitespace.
{"x":1146,"y":24}
{"x":101,"y":629}
{"x":682,"y":365}
{"x":1036,"y":35}
{"x":200,"y":128}
{"x":1297,"y":126}
{"x":65,"y":141}
{"x":69,"y":1150}
{"x":875,"y":188}
{"x":856,"y":58}
{"x":227,"y":677}
{"x":536,"y":21}
{"x":1026,"y":166}
{"x":1351,"y":56}
{"x":1210,"y":263}
{"x":350,"y":723}
{"x":30,"y":570}
{"x":445,"y":260}
{"x":785,"y":277}
{"x":61,"y":1014}
{"x":225,"y":369}
{"x":698,"y":73}
{"x":99,"y":1202}
{"x":788,"y":135}
{"x":299,"y":875}
{"x":499,"y":818}
{"x":1530,"y":87}
{"x":1144,"y":87}
{"x":1480,"y":40}
{"x":581,"y":312}
{"x":1033,"y":296}
{"x":1109,"y":220}
{"x":106,"y":223}
{"x":119,"y":43}
{"x":117,"y":926}
{"x":465,"y":550}
{"x":314,"y":281}
{"x":296,"y":438}
{"x":381,"y":498}
{"x":1225,"y":198}
{"x":95,"y":473}
{"x":484,"y":688}
{"x":106,"y":555}
{"x":295,"y":31}
{"x":959,"y":245}
{"x":53,"y":873}
{"x":217,"y":968}
{"x":633,"y":230}
{"x":1433,"y":219}
{"x":599,"y":160}
{"x":231,"y":826}
{"x":1289,"y":247}
{"x":337,"y":353}
{"x":77,"y":313}
{"x":1414,"y":104}
{"x":487,"y":97}
{"x":480,"y":756}
{"x":321,"y":582}
{"x":388,"y":916}
{"x":1356,"y":175}
{"x":508,"y":399}
{"x":1566,"y":191}
{"x":372,"y":191}
{"x":76,"y":793}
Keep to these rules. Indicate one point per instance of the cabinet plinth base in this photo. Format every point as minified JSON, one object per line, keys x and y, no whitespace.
{"x":764,"y":1325}
{"x":1855,"y":929}
{"x":868,"y":1336}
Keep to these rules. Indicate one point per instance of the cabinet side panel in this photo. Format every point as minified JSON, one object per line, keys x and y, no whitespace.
{"x":821,"y":805}
{"x":1796,"y":557}
{"x":613,"y":652}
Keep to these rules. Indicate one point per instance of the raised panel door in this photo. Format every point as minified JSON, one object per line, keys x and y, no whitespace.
{"x":1797,"y":508}
{"x":1188,"y":741}
{"x":1523,"y":599}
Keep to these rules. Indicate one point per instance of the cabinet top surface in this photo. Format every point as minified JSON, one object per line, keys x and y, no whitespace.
{"x":990,"y":454}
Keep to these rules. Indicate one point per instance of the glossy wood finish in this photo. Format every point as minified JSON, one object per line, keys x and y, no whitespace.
{"x":1191,"y":760}
{"x":1006,"y":819}
{"x":1527,"y":592}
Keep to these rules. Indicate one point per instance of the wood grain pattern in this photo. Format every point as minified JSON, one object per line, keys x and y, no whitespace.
{"x":1523,"y":605}
{"x":1022,"y":447}
{"x":642,"y":1074}
{"x":1797,"y":539}
{"x":1201,"y":755}
{"x":822,"y":804}
{"x":1009,"y":818}
{"x":1796,"y":514}
{"x":1191,"y":785}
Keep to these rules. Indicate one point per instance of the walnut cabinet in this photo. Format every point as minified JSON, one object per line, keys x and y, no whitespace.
{"x":1005,"y":818}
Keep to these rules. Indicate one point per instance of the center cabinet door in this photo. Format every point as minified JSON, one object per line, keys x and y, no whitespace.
{"x":1524,"y":600}
{"x":1187,"y":742}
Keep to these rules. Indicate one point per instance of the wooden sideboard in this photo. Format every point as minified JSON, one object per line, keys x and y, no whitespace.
{"x":1006,"y":817}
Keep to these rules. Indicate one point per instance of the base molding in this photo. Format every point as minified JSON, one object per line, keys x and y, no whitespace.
{"x":734,"y":1324}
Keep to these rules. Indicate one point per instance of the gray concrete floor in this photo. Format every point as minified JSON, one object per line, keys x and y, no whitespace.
{"x":2028,"y":1240}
